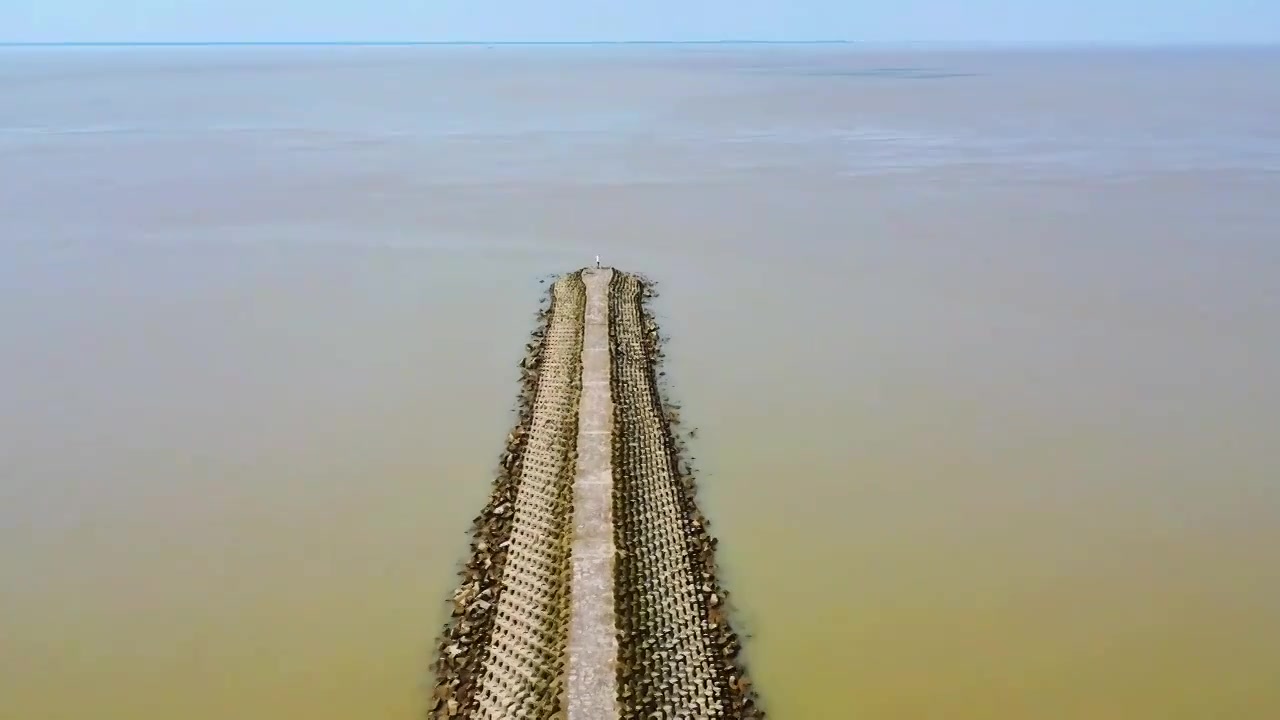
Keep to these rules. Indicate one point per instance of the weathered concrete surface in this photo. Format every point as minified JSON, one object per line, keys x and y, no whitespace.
{"x":592,"y":646}
{"x":526,"y":646}
{"x":677,"y":655}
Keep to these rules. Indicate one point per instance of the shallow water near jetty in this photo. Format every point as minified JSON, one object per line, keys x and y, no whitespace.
{"x":980,"y":347}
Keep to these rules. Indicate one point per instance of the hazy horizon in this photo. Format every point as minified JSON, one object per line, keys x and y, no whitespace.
{"x":945,"y":45}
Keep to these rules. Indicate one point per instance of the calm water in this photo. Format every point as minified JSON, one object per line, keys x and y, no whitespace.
{"x":982,"y":347}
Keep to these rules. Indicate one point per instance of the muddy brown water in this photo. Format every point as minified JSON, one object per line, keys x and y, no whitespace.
{"x":981,"y":348}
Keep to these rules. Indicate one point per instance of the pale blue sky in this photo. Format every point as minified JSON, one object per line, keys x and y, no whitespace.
{"x":1225,"y":21}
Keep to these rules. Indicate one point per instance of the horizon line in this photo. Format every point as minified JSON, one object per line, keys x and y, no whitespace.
{"x":410,"y":42}
{"x":726,"y":41}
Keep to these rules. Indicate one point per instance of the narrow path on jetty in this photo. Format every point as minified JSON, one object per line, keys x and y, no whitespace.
{"x":593,"y":644}
{"x":591,"y":590}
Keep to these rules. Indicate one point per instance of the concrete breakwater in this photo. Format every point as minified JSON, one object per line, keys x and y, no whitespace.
{"x":590,"y":592}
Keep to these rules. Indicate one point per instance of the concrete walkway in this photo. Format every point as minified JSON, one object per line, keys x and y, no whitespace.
{"x":593,"y":645}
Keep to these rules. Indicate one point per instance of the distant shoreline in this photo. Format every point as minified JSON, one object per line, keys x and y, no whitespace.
{"x":402,"y":43}
{"x":863,"y":44}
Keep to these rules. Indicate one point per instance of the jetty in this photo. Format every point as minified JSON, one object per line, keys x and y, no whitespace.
{"x":591,"y":591}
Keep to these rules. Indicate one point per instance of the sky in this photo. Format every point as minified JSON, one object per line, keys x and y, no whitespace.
{"x":1003,"y":21}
